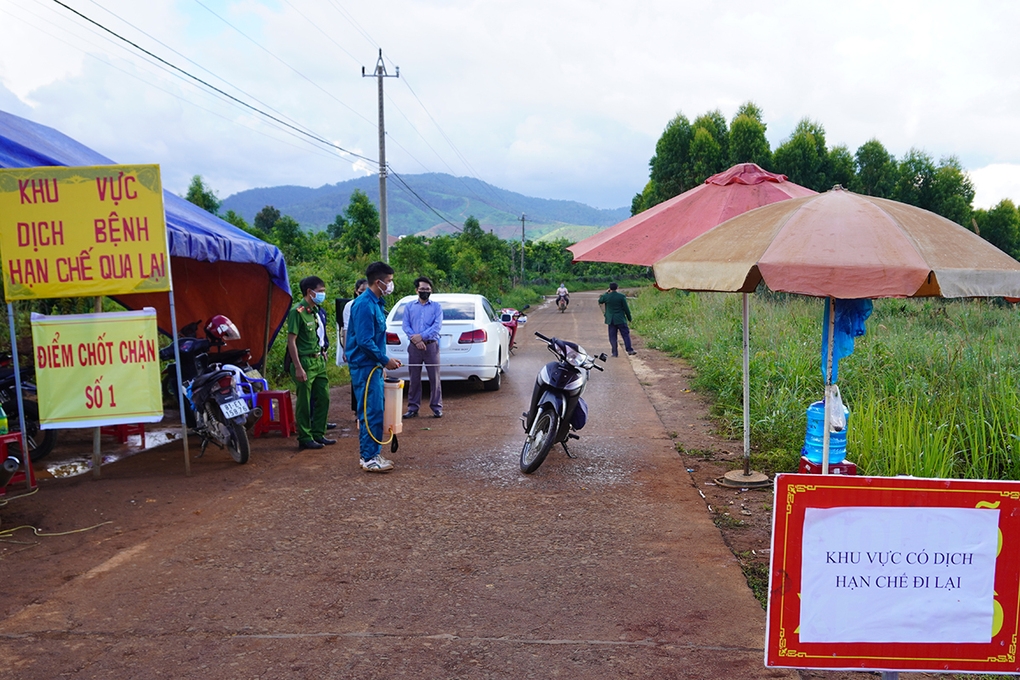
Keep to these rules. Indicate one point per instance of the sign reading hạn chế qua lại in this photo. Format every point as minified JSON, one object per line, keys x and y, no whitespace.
{"x":894,"y":573}
{"x":97,"y":369}
{"x":82,"y":232}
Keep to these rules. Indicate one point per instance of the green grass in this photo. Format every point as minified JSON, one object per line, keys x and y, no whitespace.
{"x":931,"y":387}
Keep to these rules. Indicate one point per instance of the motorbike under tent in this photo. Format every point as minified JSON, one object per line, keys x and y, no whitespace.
{"x":216,"y":267}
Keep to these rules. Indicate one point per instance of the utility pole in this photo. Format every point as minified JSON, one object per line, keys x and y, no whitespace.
{"x":380,"y":73}
{"x":523,"y":217}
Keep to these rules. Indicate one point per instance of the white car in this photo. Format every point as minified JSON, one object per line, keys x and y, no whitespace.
{"x":473,"y":343}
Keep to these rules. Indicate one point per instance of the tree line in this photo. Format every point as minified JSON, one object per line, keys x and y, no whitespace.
{"x":687,"y":153}
{"x":471,"y":260}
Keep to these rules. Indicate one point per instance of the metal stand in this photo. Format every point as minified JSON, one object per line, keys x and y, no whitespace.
{"x":746,"y":478}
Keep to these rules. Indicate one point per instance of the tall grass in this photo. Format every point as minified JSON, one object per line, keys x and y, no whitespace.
{"x":931,"y":387}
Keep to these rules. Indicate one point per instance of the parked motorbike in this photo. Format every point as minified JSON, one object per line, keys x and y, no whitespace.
{"x":561,"y":302}
{"x":216,"y":409}
{"x":557,"y":409}
{"x":214,"y":341}
{"x":511,"y":318}
{"x":40,"y":442}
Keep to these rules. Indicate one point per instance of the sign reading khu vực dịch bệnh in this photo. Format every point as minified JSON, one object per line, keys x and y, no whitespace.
{"x":82,"y":232}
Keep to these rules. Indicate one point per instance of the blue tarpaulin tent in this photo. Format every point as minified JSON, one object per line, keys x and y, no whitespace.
{"x":216,"y":267}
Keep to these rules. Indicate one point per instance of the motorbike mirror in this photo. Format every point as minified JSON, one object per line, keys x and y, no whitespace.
{"x":525,"y":307}
{"x":603,"y":357}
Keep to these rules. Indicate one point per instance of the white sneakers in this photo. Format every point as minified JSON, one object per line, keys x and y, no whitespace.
{"x":377,"y":464}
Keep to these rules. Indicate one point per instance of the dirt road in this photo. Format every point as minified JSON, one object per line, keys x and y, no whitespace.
{"x":299,"y":565}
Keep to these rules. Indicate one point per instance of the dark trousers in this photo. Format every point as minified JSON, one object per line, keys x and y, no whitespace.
{"x":415,"y":358}
{"x":624,"y":330}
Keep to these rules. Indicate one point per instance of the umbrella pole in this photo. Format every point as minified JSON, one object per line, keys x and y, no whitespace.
{"x":747,"y":392}
{"x":829,"y":332}
{"x":746,"y":478}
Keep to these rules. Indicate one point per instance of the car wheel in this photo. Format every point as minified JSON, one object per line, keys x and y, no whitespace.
{"x":494,"y":384}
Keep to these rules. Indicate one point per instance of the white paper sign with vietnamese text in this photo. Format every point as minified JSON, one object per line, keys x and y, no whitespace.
{"x":894,"y":574}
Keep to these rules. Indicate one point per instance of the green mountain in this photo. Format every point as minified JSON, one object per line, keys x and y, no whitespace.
{"x":453,"y":198}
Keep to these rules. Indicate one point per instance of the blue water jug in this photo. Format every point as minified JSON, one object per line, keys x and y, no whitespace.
{"x":816,"y":432}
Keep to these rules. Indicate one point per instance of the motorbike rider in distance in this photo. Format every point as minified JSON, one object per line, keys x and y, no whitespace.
{"x":564,"y":295}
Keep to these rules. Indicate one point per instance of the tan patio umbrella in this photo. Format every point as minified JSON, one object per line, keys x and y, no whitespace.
{"x":842,"y":245}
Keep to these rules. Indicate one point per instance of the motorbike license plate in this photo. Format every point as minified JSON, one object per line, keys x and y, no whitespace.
{"x":233,"y":409}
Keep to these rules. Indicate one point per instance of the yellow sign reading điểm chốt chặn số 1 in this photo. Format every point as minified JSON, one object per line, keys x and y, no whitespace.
{"x":97,"y":369}
{"x":83,"y":231}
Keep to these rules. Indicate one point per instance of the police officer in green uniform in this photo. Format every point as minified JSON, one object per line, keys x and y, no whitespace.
{"x":306,"y":349}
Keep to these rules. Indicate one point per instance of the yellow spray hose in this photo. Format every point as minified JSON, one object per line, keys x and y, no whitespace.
{"x":364,"y":410}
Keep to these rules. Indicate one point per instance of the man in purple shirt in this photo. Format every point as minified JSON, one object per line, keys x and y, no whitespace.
{"x":423,"y":319}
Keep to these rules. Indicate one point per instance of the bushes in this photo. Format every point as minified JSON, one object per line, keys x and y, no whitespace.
{"x":930,"y":387}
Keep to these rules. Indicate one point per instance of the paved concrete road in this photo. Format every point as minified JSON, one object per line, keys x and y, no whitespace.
{"x":455,"y":565}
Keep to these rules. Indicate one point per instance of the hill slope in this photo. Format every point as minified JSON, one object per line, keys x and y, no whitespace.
{"x":455,"y":198}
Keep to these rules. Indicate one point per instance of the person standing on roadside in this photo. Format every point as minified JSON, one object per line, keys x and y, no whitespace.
{"x":423,"y":319}
{"x":617,"y":314}
{"x":359,"y":287}
{"x":366,"y":357}
{"x":306,"y":349}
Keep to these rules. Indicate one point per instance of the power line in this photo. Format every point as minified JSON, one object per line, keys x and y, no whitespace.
{"x":294,"y":128}
{"x":309,"y":145}
{"x":195,"y":63}
{"x":351,"y":20}
{"x":424,"y":202}
{"x":257,"y":110}
{"x":270,"y":53}
{"x":449,"y":141}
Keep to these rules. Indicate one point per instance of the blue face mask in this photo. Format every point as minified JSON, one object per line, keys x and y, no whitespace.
{"x":319,"y":298}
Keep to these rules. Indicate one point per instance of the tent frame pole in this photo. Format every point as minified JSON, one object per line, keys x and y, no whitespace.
{"x":269,"y":315}
{"x":180,"y":385}
{"x":26,"y":457}
{"x":97,"y":432}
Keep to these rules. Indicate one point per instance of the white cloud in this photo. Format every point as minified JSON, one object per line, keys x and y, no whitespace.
{"x":995,"y":182}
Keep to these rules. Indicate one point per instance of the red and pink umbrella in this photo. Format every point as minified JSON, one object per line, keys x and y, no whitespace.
{"x":649,"y":236}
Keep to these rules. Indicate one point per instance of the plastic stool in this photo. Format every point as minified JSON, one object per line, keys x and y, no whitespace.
{"x":124,"y":430}
{"x":278,"y":416}
{"x":19,"y":476}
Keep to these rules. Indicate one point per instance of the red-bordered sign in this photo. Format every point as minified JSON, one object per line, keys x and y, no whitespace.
{"x":894,"y":573}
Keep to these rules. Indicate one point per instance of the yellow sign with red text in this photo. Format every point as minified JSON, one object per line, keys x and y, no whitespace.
{"x":82,"y":232}
{"x":97,"y":369}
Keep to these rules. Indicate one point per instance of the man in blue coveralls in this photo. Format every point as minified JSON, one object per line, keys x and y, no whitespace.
{"x":366,"y":356}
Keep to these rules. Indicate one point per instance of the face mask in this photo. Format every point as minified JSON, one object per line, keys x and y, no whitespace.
{"x":389,"y":289}
{"x":424,"y":295}
{"x":319,"y":298}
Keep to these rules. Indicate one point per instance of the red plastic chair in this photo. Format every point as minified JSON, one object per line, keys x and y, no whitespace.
{"x":277,"y":413}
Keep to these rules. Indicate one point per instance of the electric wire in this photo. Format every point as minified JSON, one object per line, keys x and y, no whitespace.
{"x":461,"y":156}
{"x":195,"y":63}
{"x":209,"y":85}
{"x":474,"y":174}
{"x":353,"y":22}
{"x":327,"y":35}
{"x":278,"y":120}
{"x":307,"y":145}
{"x":274,"y":56}
{"x":7,"y":533}
{"x":424,"y":202}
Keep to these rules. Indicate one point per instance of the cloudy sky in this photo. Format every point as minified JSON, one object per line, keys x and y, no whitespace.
{"x":559,"y":99}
